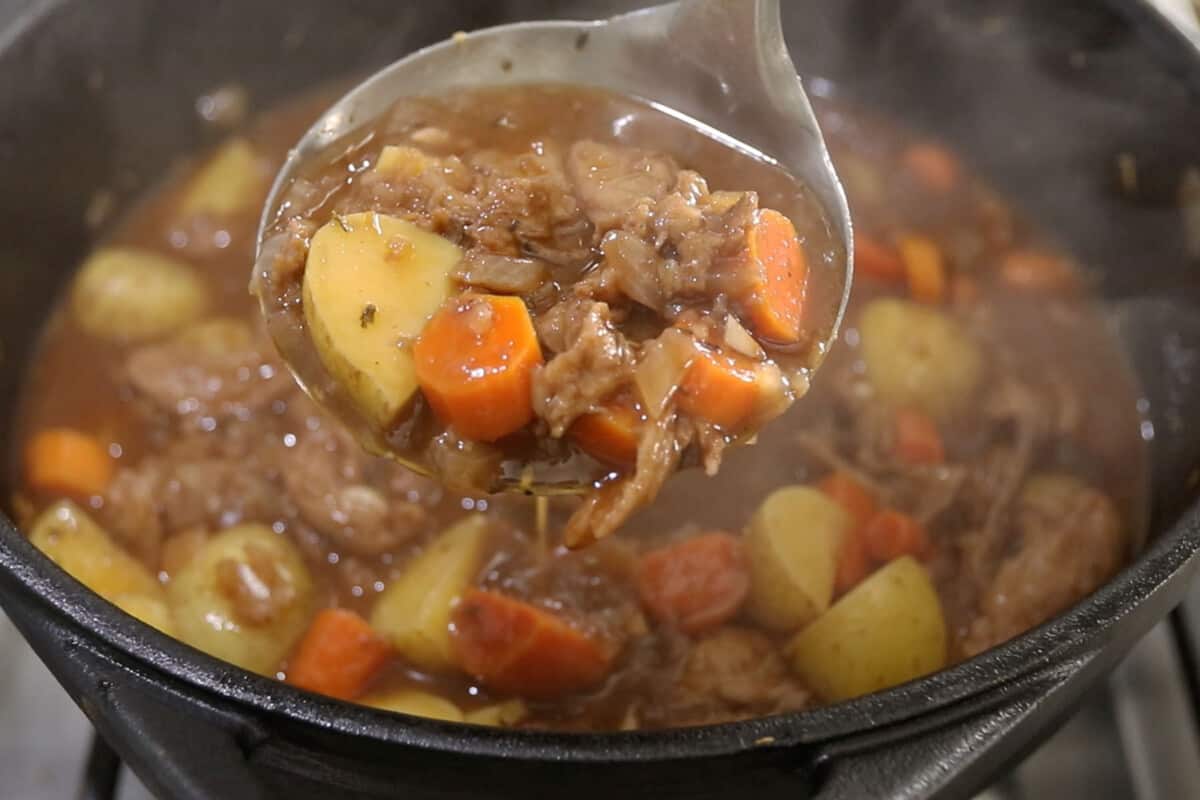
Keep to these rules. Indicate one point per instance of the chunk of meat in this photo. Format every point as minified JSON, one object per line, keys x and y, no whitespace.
{"x":735,"y":673}
{"x":131,"y":511}
{"x":596,"y":362}
{"x":198,"y":384}
{"x":325,"y":475}
{"x":1071,"y":541}
{"x":612,"y":181}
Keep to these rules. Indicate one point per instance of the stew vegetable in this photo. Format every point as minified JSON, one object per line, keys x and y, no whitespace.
{"x":966,"y":464}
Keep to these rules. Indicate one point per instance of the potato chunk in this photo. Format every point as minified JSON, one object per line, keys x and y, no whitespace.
{"x":792,"y":544}
{"x":887,"y":630}
{"x":370,"y":283}
{"x":413,"y":613}
{"x":918,"y":357}
{"x":414,"y":702}
{"x":74,"y":541}
{"x":246,"y":596}
{"x":228,"y":183}
{"x":124,"y":294}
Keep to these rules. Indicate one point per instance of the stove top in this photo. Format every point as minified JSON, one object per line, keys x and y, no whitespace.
{"x":1136,"y":737}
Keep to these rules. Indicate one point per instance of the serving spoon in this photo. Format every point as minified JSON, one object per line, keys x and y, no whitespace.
{"x":720,"y":65}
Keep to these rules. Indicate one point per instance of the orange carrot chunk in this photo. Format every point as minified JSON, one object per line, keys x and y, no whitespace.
{"x":719,"y":388}
{"x":891,"y":534}
{"x":916,"y":438}
{"x":924,"y":268}
{"x":611,"y":433}
{"x":874,"y":259}
{"x":851,"y":495}
{"x":338,"y":656}
{"x":697,"y":584}
{"x":934,"y":167}
{"x":475,"y":361}
{"x":516,"y":648}
{"x":64,"y":461}
{"x":853,"y":562}
{"x":773,"y":305}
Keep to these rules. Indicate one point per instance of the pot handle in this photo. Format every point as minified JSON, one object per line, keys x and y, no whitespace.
{"x":952,"y":752}
{"x":180,"y":746}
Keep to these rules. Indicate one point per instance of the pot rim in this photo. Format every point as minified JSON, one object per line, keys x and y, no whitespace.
{"x":1073,"y":634}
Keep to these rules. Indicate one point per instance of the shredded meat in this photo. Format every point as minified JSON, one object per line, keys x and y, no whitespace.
{"x":1070,"y":542}
{"x":596,"y":362}
{"x":614,"y":182}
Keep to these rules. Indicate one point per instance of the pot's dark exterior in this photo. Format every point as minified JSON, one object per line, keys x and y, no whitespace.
{"x":1041,"y":96}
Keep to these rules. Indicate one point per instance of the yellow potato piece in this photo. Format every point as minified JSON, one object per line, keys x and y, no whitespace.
{"x":792,"y":546}
{"x":414,"y":702}
{"x":498,"y":715}
{"x":151,"y":610}
{"x":206,"y":615}
{"x":887,"y":630}
{"x":124,"y":294}
{"x":413,"y":613}
{"x":71,"y":539}
{"x":398,"y":161}
{"x":370,"y":284}
{"x":228,"y":183}
{"x":918,"y":357}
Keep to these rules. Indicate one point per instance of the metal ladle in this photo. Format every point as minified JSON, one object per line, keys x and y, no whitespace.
{"x":720,"y":65}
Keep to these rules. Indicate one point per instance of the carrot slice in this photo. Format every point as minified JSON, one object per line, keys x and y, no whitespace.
{"x":338,"y":656}
{"x":853,"y":562}
{"x":874,"y":259}
{"x":610,"y":434}
{"x":516,"y":648}
{"x":917,"y":439}
{"x":774,"y":303}
{"x":891,"y":534}
{"x":924,"y":268}
{"x":719,"y":388}
{"x":475,"y":361}
{"x":933,"y":166}
{"x":697,"y":584}
{"x":851,"y":495}
{"x":65,"y":461}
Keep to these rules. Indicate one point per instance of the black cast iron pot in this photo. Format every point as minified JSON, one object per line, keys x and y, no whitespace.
{"x":1040,"y":96}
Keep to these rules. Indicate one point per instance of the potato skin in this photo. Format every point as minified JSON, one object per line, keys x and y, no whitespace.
{"x":887,"y":630}
{"x":207,"y":617}
{"x":792,"y":545}
{"x":371,"y":281}
{"x":918,"y":357}
{"x":128,"y":295}
{"x":413,"y":612}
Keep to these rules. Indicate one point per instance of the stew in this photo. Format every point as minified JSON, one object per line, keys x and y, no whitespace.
{"x":967,"y":463}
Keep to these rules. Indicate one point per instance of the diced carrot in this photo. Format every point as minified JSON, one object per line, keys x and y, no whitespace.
{"x":696,"y":584}
{"x":924,"y":268}
{"x":1036,"y":271}
{"x":611,"y":433}
{"x":774,"y":302}
{"x":891,"y":534}
{"x":851,"y":495}
{"x":853,"y":563}
{"x":934,"y":167}
{"x":338,"y":656}
{"x":916,"y":438}
{"x":874,"y":259}
{"x":719,"y":388}
{"x":475,"y":361}
{"x":516,"y":648}
{"x":65,"y":461}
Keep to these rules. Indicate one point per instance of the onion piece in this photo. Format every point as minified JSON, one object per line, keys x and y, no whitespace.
{"x":501,"y":274}
{"x":633,"y":267}
{"x":661,"y":368}
{"x":739,"y":339}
